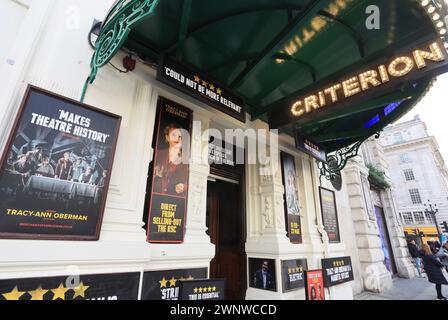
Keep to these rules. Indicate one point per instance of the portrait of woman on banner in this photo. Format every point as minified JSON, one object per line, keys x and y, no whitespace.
{"x":171,"y":169}
{"x":292,"y":198}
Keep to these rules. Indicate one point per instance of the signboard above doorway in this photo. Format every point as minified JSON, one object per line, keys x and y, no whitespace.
{"x":310,"y":147}
{"x":201,"y":87}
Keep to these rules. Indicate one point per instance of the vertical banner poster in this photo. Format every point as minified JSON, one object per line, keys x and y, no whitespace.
{"x":56,"y":168}
{"x":292,"y":205}
{"x":169,"y":188}
{"x":262,"y":274}
{"x":293,"y":274}
{"x":110,"y":287}
{"x":330,"y":214}
{"x":314,"y":285}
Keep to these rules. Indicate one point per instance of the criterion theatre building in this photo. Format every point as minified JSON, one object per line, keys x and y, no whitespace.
{"x":194,"y":149}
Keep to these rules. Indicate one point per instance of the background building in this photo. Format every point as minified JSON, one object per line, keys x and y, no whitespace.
{"x":418,"y":173}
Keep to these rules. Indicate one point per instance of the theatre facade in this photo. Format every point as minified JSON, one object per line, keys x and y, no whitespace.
{"x":164,"y":149}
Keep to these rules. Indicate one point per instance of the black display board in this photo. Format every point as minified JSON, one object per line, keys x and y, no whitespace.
{"x":116,"y":286}
{"x":291,"y":197}
{"x":202,"y":289}
{"x":293,"y":274}
{"x":201,"y":87}
{"x":164,"y":285}
{"x":169,"y":188}
{"x":310,"y":147}
{"x":56,"y":168}
{"x":225,"y":160}
{"x":337,"y":271}
{"x":330,"y":214}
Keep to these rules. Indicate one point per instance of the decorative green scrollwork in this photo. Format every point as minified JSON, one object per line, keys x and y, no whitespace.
{"x":115,"y":29}
{"x":337,"y":161}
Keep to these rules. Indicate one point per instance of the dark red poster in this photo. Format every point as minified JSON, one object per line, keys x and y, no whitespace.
{"x":169,"y":188}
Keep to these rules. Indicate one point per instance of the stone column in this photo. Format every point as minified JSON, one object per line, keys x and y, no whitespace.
{"x":266,"y":219}
{"x":402,"y":257}
{"x":375,"y":274}
{"x":199,"y":172}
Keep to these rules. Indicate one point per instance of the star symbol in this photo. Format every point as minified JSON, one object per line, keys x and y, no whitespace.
{"x":219,"y":91}
{"x":190,"y":278}
{"x":59,"y":293}
{"x":197,"y":79}
{"x":195,"y":290}
{"x":289,"y":270}
{"x":212,"y":87}
{"x":38,"y":294}
{"x":163,"y":283}
{"x":80,"y":291}
{"x":205,"y":289}
{"x":200,"y":290}
{"x":214,"y":288}
{"x":204,"y":83}
{"x":15,"y":294}
{"x":210,"y":289}
{"x":172,"y":282}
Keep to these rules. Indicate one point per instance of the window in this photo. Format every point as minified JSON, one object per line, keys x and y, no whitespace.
{"x":404,"y":158}
{"x":409,"y":175}
{"x":406,"y":217}
{"x":419,"y":218}
{"x":415,"y":196}
{"x":429,"y":218}
{"x":398,"y":137}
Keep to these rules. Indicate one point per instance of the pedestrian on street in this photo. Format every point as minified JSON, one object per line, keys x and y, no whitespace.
{"x":433,"y":269}
{"x":443,"y":255}
{"x":416,"y":255}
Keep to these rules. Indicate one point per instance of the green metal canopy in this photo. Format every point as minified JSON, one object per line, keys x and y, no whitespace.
{"x":273,"y":51}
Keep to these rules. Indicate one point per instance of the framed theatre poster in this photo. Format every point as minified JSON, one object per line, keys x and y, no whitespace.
{"x":56,"y":169}
{"x":330,"y":214}
{"x":337,"y":271}
{"x":314,"y":285}
{"x":165,"y":284}
{"x":293,"y":274}
{"x":262,"y":274}
{"x":100,"y":287}
{"x":292,"y":204}
{"x":169,"y":187}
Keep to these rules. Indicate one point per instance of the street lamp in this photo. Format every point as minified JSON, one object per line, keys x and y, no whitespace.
{"x":432,"y":210}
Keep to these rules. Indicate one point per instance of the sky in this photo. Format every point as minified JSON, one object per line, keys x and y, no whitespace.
{"x":433,"y":110}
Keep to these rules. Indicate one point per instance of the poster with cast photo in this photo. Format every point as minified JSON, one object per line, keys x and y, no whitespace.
{"x":169,"y":187}
{"x":262,"y":274}
{"x":56,"y":168}
{"x":314,"y":285}
{"x":292,"y":204}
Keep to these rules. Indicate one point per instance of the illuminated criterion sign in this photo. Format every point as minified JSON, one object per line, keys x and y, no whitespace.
{"x":365,"y":81}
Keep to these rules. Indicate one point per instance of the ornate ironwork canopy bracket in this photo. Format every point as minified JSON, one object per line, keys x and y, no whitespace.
{"x":337,"y":161}
{"x":115,"y":29}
